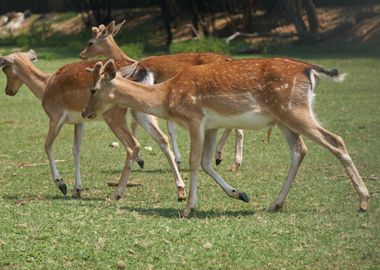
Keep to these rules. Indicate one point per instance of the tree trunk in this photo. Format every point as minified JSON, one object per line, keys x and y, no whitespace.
{"x":311,"y":16}
{"x":296,"y":9}
{"x":166,"y":16}
{"x":247,"y":21}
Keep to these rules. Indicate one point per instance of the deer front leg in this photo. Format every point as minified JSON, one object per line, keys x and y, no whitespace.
{"x":54,"y":128}
{"x":149,"y":123}
{"x":173,"y":138}
{"x":115,"y":119}
{"x":208,"y":150}
{"x":139,"y":159}
{"x":196,"y":148}
{"x":219,"y":148}
{"x":239,"y":138}
{"x":78,"y":135}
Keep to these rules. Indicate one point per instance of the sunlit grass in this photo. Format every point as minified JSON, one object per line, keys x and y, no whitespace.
{"x":318,"y":228}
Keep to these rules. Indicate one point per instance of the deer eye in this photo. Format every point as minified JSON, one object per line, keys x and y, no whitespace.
{"x":90,"y":44}
{"x":93,"y":91}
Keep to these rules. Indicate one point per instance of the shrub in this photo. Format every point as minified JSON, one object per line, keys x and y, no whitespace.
{"x":133,"y":50}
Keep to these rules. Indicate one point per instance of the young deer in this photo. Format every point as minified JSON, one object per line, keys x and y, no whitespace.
{"x":162,"y":68}
{"x":64,"y":95}
{"x":249,"y":94}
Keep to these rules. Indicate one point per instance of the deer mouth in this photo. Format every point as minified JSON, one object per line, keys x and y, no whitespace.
{"x":82,"y":56}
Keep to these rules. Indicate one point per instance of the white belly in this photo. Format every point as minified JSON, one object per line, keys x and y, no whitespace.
{"x":76,"y":118}
{"x":249,"y":120}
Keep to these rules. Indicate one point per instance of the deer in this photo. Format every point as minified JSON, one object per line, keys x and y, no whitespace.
{"x":64,"y":95}
{"x":162,"y":68}
{"x":248,"y":94}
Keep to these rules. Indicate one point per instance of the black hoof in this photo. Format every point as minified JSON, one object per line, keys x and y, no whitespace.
{"x":141,"y":163}
{"x":362,"y":210}
{"x":63,"y":188}
{"x":218,"y":161}
{"x":244,"y":197}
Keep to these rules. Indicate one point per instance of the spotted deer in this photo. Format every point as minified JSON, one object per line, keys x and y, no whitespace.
{"x":248,"y":94}
{"x":162,"y":68}
{"x":64,"y":95}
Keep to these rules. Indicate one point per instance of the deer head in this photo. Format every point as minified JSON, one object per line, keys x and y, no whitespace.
{"x":10,"y":64}
{"x":102,"y":40}
{"x":102,"y":92}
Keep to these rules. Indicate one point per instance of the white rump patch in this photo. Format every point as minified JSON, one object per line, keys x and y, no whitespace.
{"x":148,"y":79}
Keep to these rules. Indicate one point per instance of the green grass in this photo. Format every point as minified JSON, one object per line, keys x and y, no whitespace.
{"x":318,"y":228}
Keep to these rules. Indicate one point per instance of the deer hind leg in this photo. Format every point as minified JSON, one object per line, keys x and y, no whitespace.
{"x":78,"y":135}
{"x":239,"y":138}
{"x":298,"y":151}
{"x":139,"y":159}
{"x":208,"y":150}
{"x":54,"y":129}
{"x":309,"y":127}
{"x":173,"y":138}
{"x":150,"y":124}
{"x":115,"y":119}
{"x":221,"y":143}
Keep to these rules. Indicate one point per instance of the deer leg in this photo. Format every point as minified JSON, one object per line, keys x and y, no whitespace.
{"x":78,"y":134}
{"x":337,"y":146}
{"x":219,"y":148}
{"x":139,"y":159}
{"x":298,"y":151}
{"x":173,"y":138}
{"x":54,"y":128}
{"x":150,"y":124}
{"x":196,"y":147}
{"x":308,"y":126}
{"x":239,"y":137}
{"x":115,"y":119}
{"x":208,"y":150}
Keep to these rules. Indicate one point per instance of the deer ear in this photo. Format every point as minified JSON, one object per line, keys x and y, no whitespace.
{"x":98,"y":66}
{"x":89,"y":70}
{"x":109,"y":29}
{"x":117,"y":28}
{"x":109,"y":70}
{"x":6,"y":60}
{"x":32,"y":55}
{"x":127,"y":71}
{"x":95,"y":70}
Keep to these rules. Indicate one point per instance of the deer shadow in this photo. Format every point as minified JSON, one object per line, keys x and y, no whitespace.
{"x":174,"y":213}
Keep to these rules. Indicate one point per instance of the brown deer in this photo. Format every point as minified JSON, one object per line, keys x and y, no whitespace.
{"x":64,"y":95}
{"x":162,"y":68}
{"x":249,"y":94}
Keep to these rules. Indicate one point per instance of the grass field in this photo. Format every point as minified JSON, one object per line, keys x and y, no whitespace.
{"x":319,"y":227}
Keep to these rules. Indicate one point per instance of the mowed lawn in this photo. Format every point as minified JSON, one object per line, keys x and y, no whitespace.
{"x":319,"y":227}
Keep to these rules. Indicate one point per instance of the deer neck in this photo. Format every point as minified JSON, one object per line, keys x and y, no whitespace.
{"x":116,"y":53}
{"x":149,"y":99}
{"x":34,"y":78}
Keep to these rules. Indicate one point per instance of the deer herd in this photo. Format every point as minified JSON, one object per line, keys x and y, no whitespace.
{"x":201,"y":92}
